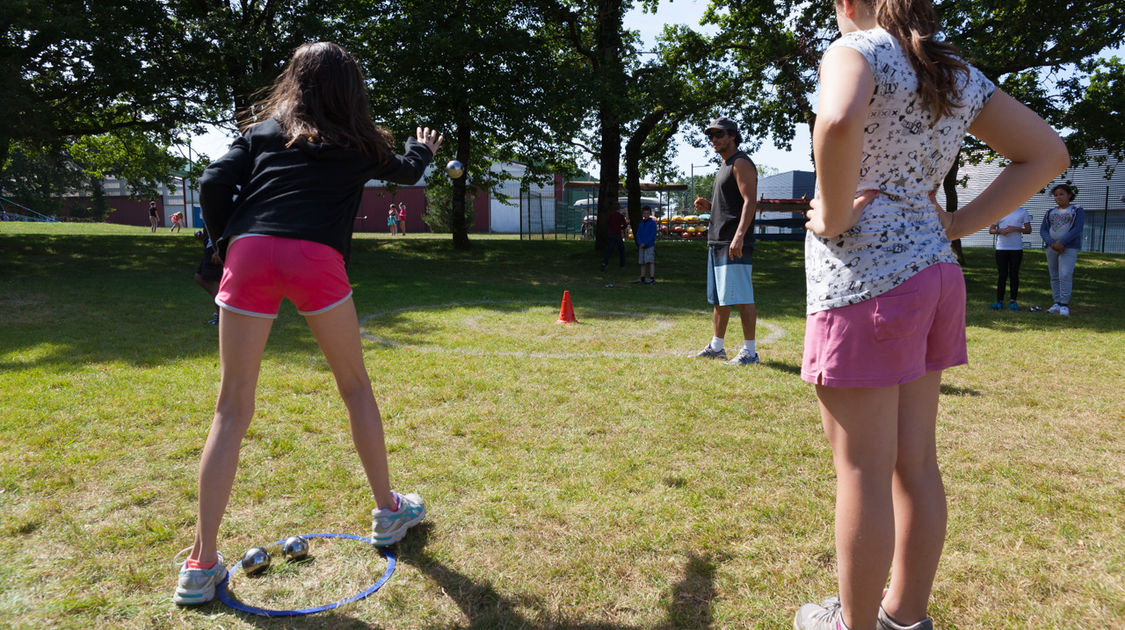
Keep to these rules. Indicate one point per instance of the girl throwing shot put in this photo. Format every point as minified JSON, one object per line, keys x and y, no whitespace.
{"x":282,"y":204}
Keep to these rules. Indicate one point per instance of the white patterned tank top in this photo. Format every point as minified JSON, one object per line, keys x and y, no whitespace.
{"x":904,"y":158}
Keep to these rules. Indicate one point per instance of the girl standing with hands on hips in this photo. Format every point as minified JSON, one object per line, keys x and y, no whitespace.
{"x":886,"y":298}
{"x":282,"y":203}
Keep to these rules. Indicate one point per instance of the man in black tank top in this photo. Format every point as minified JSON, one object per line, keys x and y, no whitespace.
{"x":731,"y":242}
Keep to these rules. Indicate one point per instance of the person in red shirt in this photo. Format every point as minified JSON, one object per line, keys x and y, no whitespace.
{"x":618,"y":228}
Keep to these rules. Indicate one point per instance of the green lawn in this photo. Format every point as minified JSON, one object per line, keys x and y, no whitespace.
{"x":589,"y":476}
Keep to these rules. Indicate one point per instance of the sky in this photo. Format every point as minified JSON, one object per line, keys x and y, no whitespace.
{"x":687,"y":12}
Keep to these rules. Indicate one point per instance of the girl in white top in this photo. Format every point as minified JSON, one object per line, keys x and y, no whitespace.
{"x":1009,"y":233}
{"x":894,"y":105}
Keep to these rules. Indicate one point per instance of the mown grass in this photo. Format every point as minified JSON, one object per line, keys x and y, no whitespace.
{"x":588,"y":476}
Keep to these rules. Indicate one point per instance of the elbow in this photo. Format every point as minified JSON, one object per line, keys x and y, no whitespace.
{"x":1058,"y":156}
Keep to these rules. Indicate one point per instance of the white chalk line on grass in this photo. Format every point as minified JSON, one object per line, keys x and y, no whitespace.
{"x":773,"y":331}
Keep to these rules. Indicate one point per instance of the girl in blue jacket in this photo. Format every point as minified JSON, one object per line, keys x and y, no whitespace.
{"x":1062,"y":236}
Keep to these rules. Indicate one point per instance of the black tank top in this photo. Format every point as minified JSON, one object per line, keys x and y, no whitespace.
{"x":726,"y":205}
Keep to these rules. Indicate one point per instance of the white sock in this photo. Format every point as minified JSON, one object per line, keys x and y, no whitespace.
{"x":716,"y":343}
{"x":749,"y":345}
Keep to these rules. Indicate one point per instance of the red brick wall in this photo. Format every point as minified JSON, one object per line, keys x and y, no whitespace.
{"x":125,"y":210}
{"x":375,"y":204}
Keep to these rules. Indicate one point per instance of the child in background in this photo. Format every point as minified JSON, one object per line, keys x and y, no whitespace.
{"x":1062,"y":237}
{"x":392,"y":220}
{"x":1009,"y":233}
{"x":281,"y":205}
{"x":885,"y":297}
{"x":177,"y":221}
{"x":646,"y":246}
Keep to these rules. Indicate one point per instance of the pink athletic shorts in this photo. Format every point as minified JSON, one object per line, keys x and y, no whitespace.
{"x":893,"y":338}
{"x":260,"y":270}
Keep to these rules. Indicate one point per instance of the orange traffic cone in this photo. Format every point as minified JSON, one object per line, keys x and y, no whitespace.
{"x":566,"y":312}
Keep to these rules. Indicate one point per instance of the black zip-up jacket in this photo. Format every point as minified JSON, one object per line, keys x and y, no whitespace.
{"x":309,"y":191}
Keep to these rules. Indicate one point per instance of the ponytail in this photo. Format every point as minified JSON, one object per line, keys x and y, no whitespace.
{"x":914,"y":24}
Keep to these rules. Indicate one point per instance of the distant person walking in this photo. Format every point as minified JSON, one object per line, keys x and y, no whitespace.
{"x":1062,"y":237}
{"x":153,"y":216}
{"x":730,"y":243}
{"x":281,"y":206}
{"x":1009,"y":233}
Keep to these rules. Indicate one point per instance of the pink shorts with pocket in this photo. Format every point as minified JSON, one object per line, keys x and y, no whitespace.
{"x":893,"y":338}
{"x":260,"y":270}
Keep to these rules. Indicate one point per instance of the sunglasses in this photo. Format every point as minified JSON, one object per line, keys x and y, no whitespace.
{"x":715,"y":134}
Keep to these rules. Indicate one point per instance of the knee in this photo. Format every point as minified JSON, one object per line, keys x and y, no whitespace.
{"x":866,"y":467}
{"x":355,"y":390}
{"x":917,"y":469}
{"x":233,"y":417}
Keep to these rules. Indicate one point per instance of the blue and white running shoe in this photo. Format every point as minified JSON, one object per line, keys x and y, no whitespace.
{"x":389,"y":526}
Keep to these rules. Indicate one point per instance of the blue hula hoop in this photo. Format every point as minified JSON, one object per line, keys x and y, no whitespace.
{"x":224,"y":596}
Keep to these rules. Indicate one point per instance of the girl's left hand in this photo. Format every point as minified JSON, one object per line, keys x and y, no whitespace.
{"x":430,"y":138}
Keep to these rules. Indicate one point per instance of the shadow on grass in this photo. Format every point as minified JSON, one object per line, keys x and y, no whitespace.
{"x":953,"y":390}
{"x":77,"y":299}
{"x":783,"y":366}
{"x":485,"y":607}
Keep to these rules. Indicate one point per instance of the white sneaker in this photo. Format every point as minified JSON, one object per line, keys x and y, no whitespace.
{"x":389,"y":526}
{"x":1064,"y":311}
{"x":197,"y":586}
{"x":1055,"y":308}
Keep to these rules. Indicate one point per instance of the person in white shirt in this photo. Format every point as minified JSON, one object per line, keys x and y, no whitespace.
{"x":1009,"y":233}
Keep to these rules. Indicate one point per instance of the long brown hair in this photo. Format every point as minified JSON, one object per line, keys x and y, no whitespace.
{"x":320,"y":96}
{"x":937,"y":63}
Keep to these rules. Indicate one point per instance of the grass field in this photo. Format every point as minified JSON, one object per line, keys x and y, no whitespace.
{"x":590,"y":476}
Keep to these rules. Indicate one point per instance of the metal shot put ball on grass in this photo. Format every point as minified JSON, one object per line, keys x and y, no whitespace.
{"x":257,"y":559}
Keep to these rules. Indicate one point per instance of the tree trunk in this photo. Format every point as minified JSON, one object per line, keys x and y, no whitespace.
{"x":950,"y":187}
{"x":460,"y":188}
{"x":633,"y":150}
{"x":611,"y":83}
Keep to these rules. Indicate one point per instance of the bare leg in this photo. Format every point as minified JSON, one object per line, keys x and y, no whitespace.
{"x":720,"y":315}
{"x":242,"y":339}
{"x":861,"y":424}
{"x":337,"y":333}
{"x":919,"y":500}
{"x":749,"y":315}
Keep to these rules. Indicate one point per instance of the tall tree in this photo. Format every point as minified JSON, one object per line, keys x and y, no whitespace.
{"x":596,"y":35}
{"x":481,"y":72}
{"x":136,"y":76}
{"x":71,"y":69}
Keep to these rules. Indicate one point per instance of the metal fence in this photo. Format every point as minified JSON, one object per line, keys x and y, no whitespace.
{"x":541,"y":218}
{"x":1101,"y":195}
{"x":1104,"y":230}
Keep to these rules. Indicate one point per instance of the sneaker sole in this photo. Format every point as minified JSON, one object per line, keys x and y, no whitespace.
{"x":195,"y":598}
